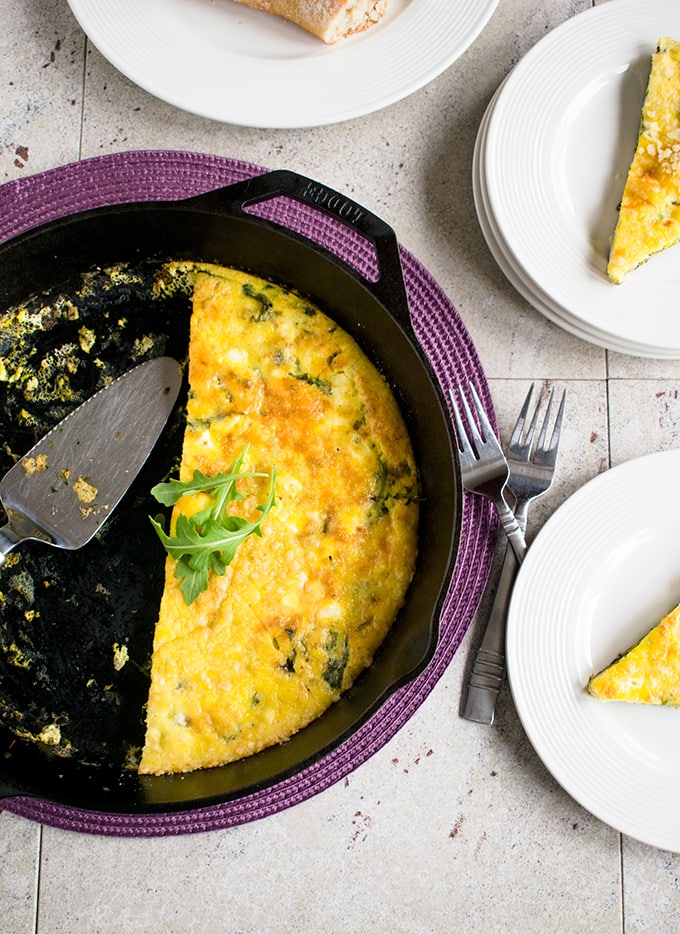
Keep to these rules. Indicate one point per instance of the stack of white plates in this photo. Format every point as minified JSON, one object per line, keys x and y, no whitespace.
{"x":551,"y":159}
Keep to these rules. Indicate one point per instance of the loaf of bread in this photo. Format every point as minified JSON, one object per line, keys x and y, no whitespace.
{"x":330,"y":20}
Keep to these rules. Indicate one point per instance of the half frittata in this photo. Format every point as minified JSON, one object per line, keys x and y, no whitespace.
{"x":649,"y":216}
{"x":301,"y":610}
{"x":649,"y":672}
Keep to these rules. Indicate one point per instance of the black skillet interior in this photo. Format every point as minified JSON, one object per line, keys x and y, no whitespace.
{"x":62,"y":613}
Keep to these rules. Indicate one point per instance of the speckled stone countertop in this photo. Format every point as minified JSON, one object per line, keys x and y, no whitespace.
{"x":451,"y":825}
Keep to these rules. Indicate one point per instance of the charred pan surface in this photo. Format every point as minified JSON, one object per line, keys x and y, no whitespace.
{"x":76,"y":627}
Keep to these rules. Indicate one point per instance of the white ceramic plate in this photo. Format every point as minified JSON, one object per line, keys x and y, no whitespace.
{"x":558,"y":147}
{"x":219,"y":59}
{"x":516,"y":276}
{"x":602,"y":571}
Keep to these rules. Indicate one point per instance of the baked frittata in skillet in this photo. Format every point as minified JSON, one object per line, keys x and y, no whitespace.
{"x":649,"y":216}
{"x":301,"y":610}
{"x":649,"y":672}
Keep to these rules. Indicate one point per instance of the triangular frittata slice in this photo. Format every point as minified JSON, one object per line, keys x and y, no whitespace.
{"x":649,"y":217}
{"x":649,"y":672}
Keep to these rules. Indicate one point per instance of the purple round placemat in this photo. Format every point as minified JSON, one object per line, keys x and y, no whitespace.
{"x":157,"y":176}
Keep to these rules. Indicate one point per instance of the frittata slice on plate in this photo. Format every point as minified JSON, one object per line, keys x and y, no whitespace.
{"x":649,"y":217}
{"x":649,"y":672}
{"x":300,"y":611}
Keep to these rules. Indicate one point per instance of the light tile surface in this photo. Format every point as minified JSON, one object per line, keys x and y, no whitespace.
{"x":19,"y":857}
{"x":41,"y":87}
{"x":451,"y":826}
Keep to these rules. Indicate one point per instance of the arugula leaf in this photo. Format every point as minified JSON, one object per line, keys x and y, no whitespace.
{"x":207,"y":541}
{"x":173,"y":490}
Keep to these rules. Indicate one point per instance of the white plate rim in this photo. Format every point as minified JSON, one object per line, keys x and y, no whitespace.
{"x":542,"y":88}
{"x":552,"y":648}
{"x":285,"y":78}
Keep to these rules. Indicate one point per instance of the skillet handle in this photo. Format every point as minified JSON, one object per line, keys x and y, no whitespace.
{"x":389,"y":288}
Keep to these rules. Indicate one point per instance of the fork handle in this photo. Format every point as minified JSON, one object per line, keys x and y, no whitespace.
{"x":512,"y":529}
{"x":486,"y":676}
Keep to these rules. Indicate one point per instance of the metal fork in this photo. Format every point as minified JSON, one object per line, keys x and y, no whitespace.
{"x":484,"y":469}
{"x":530,"y":476}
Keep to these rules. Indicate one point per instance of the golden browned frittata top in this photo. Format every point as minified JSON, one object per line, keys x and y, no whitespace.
{"x":300,"y":611}
{"x":649,"y":217}
{"x":649,"y":672}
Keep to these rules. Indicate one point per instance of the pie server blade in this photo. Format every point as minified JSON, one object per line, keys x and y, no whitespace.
{"x":69,"y":483}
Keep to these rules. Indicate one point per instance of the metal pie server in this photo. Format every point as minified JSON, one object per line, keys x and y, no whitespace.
{"x":69,"y":483}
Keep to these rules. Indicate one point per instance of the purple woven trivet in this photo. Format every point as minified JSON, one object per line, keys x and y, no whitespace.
{"x":157,"y":176}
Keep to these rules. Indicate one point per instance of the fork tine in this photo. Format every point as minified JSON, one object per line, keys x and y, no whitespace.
{"x":464,"y":444}
{"x":485,"y":424}
{"x":558,"y":422}
{"x":528,"y":440}
{"x":557,"y":429}
{"x":518,"y":430}
{"x":540,"y":444}
{"x":516,"y":435}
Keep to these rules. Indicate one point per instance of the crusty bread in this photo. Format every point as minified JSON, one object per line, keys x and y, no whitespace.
{"x":330,"y":20}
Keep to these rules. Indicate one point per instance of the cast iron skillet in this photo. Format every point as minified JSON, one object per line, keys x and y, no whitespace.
{"x":62,"y":612}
